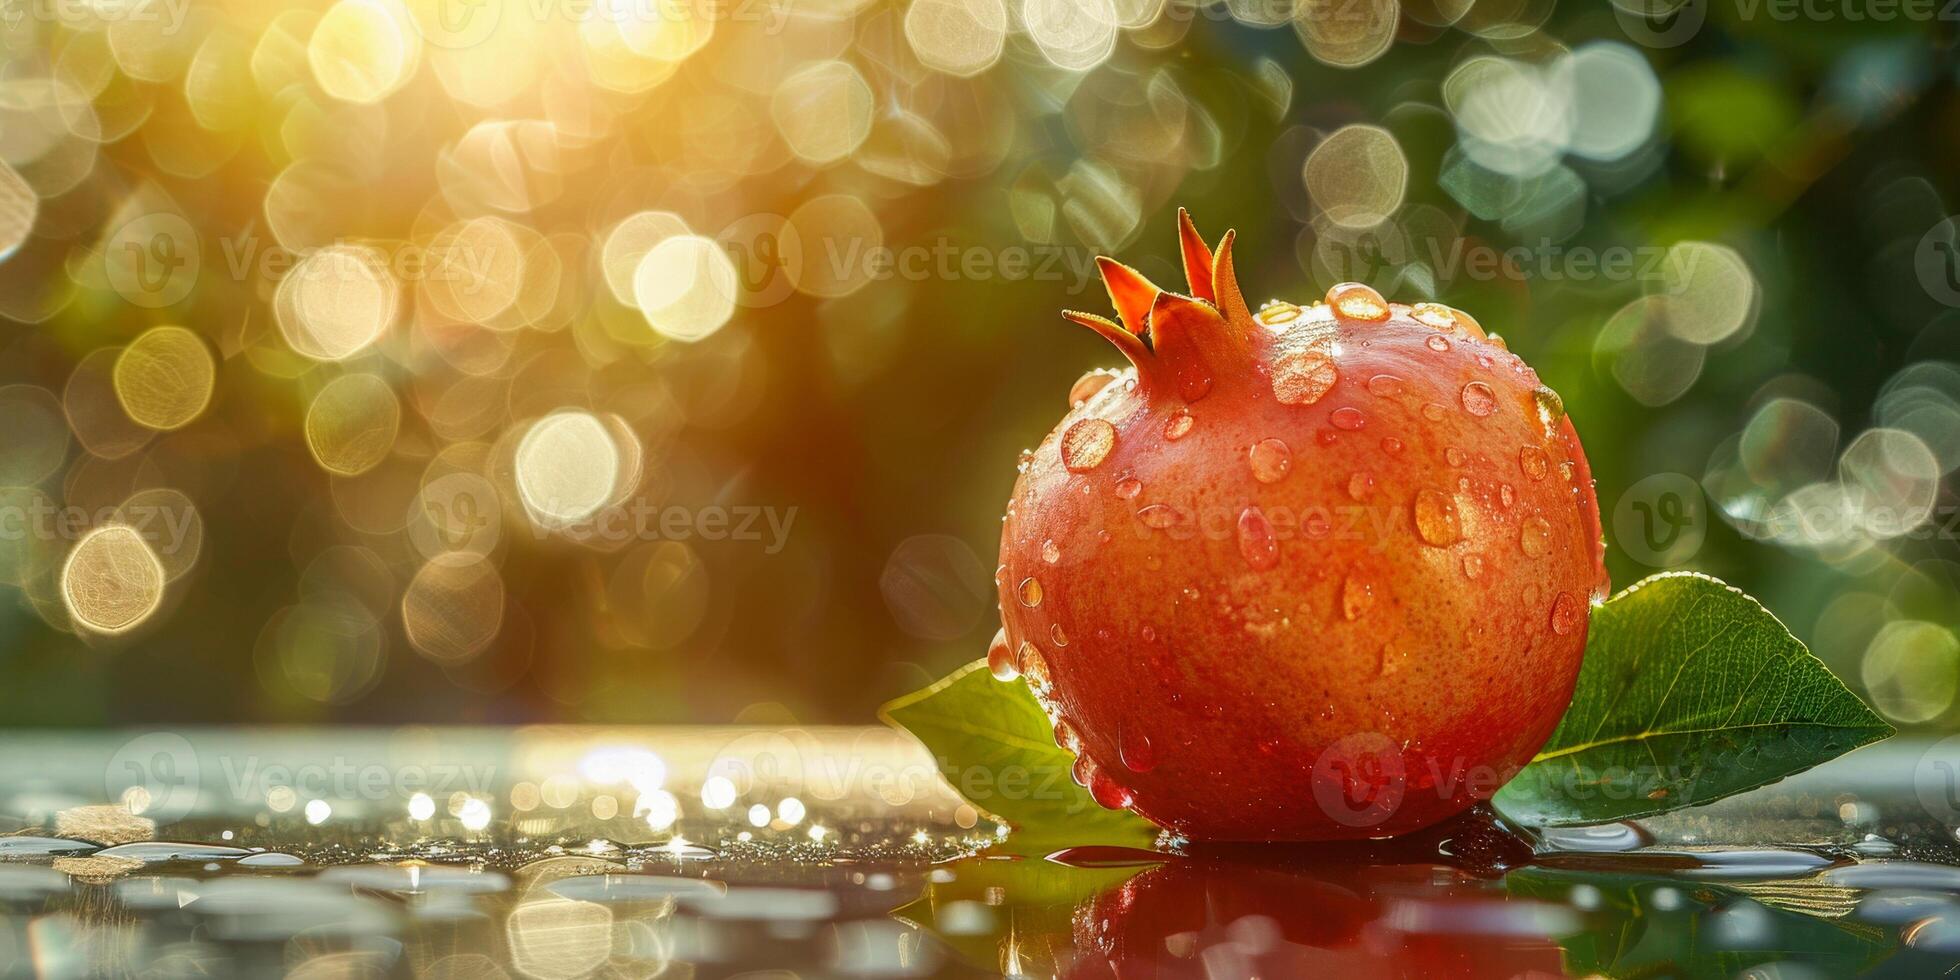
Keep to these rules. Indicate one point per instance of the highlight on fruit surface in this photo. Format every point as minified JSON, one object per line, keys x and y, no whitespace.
{"x":1315,"y":572}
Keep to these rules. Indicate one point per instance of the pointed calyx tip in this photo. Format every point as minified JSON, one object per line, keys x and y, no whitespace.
{"x":1199,"y":334}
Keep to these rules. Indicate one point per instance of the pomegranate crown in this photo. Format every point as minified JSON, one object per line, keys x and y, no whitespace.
{"x":1188,"y":340}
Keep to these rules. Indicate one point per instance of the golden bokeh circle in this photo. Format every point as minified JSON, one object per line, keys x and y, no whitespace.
{"x":567,"y":468}
{"x":165,"y":377}
{"x":112,"y":581}
{"x":454,"y":607}
{"x":352,"y":424}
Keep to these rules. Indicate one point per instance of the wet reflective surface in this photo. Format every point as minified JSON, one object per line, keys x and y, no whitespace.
{"x":562,"y":853}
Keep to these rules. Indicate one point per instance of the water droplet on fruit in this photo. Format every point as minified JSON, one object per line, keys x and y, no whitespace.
{"x":1533,"y":462}
{"x":1149,"y":633}
{"x":1326,"y":437}
{"x":1478,"y":399}
{"x":1271,"y":460}
{"x":1385,"y":386}
{"x":1302,"y":377}
{"x":1433,"y":411}
{"x":1107,"y":792}
{"x":1434,"y":314}
{"x":1277,"y":312}
{"x":1000,"y":575}
{"x":1178,"y":425}
{"x":1134,"y":748}
{"x":1066,"y":736}
{"x":1000,"y":658}
{"x":1567,"y":613}
{"x":1087,"y":386}
{"x":1473,"y":566}
{"x":1390,"y":661}
{"x":1507,"y":495}
{"x":1050,"y":552}
{"x":1551,"y":408}
{"x":1055,"y":633}
{"x":1153,"y":562}
{"x":1030,"y":592}
{"x":1436,"y":521}
{"x":1467,"y":324}
{"x":1257,"y":543}
{"x":1536,"y":537}
{"x":1158,"y":515}
{"x":1391,"y":445}
{"x":1358,"y":301}
{"x":1127,"y":487}
{"x":1086,"y":444}
{"x":1023,"y":461}
{"x":1359,"y":484}
{"x":1356,"y":596}
{"x":1083,"y":770}
{"x":1437,"y":342}
{"x":1035,"y":670}
{"x":1349,"y":418}
{"x":1318,"y":523}
{"x":1194,"y":382}
{"x":1455,"y":456}
{"x":1567,"y":470}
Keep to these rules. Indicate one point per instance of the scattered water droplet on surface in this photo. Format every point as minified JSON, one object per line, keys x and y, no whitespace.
{"x":1271,"y":460}
{"x":1035,"y":669}
{"x":1349,"y":418}
{"x":1023,"y":461}
{"x":1050,"y":552}
{"x":1357,"y":301}
{"x":1434,"y":412}
{"x":1506,"y":495}
{"x":1066,"y":736}
{"x":1473,"y":566}
{"x":1455,"y":456}
{"x":1135,"y":750}
{"x":1535,"y":537}
{"x":1359,"y":484}
{"x":1437,"y":342}
{"x":1088,"y":385}
{"x":1030,"y":592}
{"x":1158,"y":515}
{"x":1478,"y":399}
{"x":1434,"y":315}
{"x":1567,"y":613}
{"x":1391,"y":445}
{"x":1108,"y":792}
{"x":1178,"y":425}
{"x":1277,"y":312}
{"x":1356,"y":596}
{"x":1056,"y":633}
{"x":1436,"y":520}
{"x":1000,"y":658}
{"x":1257,"y":543}
{"x":1533,"y":462}
{"x":1127,"y":487}
{"x":1551,"y":408}
{"x":1086,"y":444}
{"x":1302,"y":377}
{"x":1385,"y":386}
{"x":1390,"y":661}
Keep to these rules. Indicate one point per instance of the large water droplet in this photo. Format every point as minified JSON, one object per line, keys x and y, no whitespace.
{"x":1088,"y":385}
{"x":1473,"y":566}
{"x":1000,"y":658}
{"x":1030,"y":592}
{"x":1436,"y":521}
{"x":1357,"y":594}
{"x":1533,"y":461}
{"x":1437,"y":342}
{"x":1302,"y":377}
{"x":1478,"y":399}
{"x":1127,"y":487}
{"x":1434,"y":315}
{"x":1066,"y":735}
{"x":1158,"y":515}
{"x":1385,"y":386}
{"x":1056,"y":633}
{"x":1568,"y":613}
{"x":1271,"y":460}
{"x":1178,"y":425}
{"x":1134,"y":748}
{"x":1257,"y":543}
{"x":1107,"y":792}
{"x":1551,"y":408}
{"x":1086,"y":444}
{"x":1536,"y":537}
{"x":1349,"y":418}
{"x":1050,"y":551}
{"x":1357,"y":301}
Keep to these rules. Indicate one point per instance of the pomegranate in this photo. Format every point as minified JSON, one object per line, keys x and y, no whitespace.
{"x":1305,"y":574}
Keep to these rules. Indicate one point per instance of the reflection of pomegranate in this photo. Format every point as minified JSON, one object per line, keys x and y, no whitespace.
{"x":1306,"y":574}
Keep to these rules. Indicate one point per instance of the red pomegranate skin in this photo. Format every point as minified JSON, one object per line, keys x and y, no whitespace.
{"x":1319,"y":573}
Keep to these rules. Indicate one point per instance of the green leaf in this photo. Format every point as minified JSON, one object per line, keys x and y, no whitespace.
{"x":1690,"y":692}
{"x":996,"y":747}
